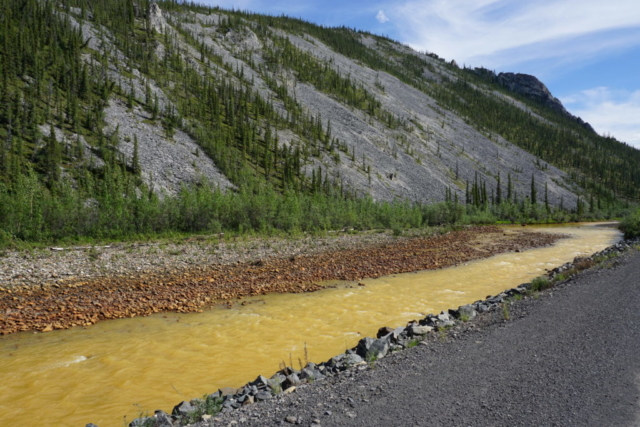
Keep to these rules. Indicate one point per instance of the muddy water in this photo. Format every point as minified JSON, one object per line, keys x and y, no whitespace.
{"x":131,"y":366}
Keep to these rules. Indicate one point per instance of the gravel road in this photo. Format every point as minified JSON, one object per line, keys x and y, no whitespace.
{"x":570,"y":357}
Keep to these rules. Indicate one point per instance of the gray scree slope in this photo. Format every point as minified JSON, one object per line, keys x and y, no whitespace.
{"x":435,"y":151}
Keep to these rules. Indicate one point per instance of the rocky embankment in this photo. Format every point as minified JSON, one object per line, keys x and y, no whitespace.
{"x":311,"y":405}
{"x":82,"y":301}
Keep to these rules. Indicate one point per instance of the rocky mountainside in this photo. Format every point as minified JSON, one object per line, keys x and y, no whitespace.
{"x":162,"y":96}
{"x":411,"y":147}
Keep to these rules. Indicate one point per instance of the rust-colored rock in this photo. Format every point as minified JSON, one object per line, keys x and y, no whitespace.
{"x":85,"y":302}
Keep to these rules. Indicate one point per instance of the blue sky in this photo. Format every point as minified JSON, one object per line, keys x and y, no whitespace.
{"x":587,"y":52}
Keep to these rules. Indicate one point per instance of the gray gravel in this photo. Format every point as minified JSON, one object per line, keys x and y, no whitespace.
{"x":567,"y":357}
{"x":60,"y":265}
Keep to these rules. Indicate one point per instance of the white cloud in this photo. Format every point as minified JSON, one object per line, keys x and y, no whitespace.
{"x":610,"y":112}
{"x":382,"y":17}
{"x":488,"y":32}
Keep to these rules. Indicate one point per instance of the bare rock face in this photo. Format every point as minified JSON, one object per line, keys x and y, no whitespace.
{"x":155,"y":17}
{"x":167,"y":163}
{"x":245,"y":40}
{"x":531,"y":87}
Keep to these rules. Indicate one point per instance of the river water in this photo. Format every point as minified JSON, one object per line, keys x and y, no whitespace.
{"x":130,"y":367}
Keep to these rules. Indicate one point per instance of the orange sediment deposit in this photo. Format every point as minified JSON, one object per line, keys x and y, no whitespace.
{"x":88,"y":300}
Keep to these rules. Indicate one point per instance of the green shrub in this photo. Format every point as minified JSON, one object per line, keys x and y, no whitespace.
{"x":540,"y":283}
{"x":630,"y":225}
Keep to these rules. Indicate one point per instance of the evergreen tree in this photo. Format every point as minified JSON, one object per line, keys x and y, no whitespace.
{"x":546,"y":198}
{"x":534,"y":191}
{"x":135,"y":161}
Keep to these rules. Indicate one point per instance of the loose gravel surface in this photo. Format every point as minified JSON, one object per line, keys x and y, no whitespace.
{"x":62,"y":265}
{"x":82,"y":301}
{"x":567,"y":357}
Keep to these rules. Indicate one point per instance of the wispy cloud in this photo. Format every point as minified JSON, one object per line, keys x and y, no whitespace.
{"x":487,"y":32}
{"x":382,"y":17}
{"x":613,"y":112}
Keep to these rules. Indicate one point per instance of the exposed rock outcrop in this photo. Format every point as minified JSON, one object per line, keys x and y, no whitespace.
{"x":158,"y":22}
{"x":532,"y":88}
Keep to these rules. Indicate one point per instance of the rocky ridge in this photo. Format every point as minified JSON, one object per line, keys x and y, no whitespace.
{"x":530,"y":87}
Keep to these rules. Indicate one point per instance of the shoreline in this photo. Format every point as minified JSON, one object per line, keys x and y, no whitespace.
{"x":283,"y":404}
{"x":82,"y":301}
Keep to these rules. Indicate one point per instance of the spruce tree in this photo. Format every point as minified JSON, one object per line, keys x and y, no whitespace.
{"x":135,"y":162}
{"x":534,"y":191}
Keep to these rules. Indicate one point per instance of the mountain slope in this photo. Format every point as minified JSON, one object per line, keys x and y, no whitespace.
{"x":165,"y":96}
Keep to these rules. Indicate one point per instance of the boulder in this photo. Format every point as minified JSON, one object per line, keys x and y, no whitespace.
{"x":384,"y":331}
{"x":481,"y":307}
{"x":398,"y":334}
{"x":362,"y":349}
{"x":467,"y":311}
{"x":231,"y":403}
{"x":311,"y":374}
{"x":245,"y":399}
{"x":443,"y":317}
{"x":224,"y":391}
{"x":393,"y":333}
{"x":263,"y":395}
{"x":276,"y":379}
{"x":495,"y":300}
{"x":429,"y":320}
{"x":162,"y":419}
{"x":260,"y":382}
{"x":142,"y":422}
{"x":183,"y":408}
{"x":353,"y":359}
{"x":336,"y":360}
{"x":368,"y":348}
{"x":417,"y":329}
{"x":290,"y":381}
{"x":445,"y":324}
